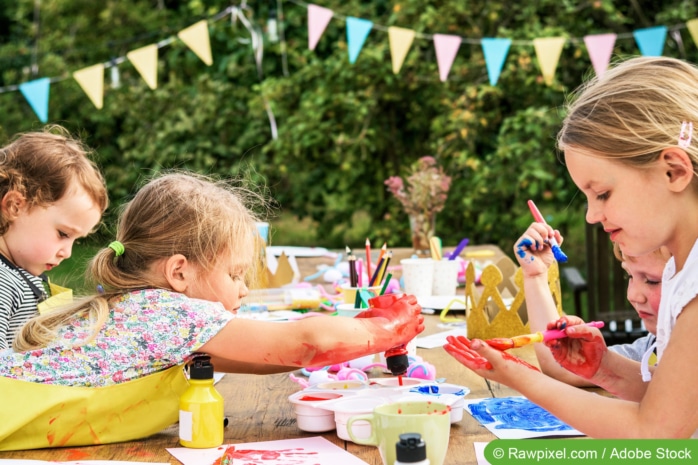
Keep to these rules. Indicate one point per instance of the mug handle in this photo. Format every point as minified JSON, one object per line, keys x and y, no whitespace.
{"x":369,"y":441}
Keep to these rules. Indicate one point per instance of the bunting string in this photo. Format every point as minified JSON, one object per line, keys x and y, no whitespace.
{"x":650,"y":42}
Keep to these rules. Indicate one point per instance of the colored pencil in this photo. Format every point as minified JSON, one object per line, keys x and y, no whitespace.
{"x":384,"y":268}
{"x":385,"y":283}
{"x":382,"y":252}
{"x":368,"y":257}
{"x":372,"y":282}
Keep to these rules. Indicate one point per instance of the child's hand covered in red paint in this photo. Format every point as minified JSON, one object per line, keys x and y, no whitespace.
{"x":532,"y":250}
{"x":582,"y":351}
{"x":403,"y":319}
{"x":485,"y":360}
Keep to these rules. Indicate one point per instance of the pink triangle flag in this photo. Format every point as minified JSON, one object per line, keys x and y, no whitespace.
{"x":318,"y":19}
{"x":446,"y":49}
{"x":600,"y":47}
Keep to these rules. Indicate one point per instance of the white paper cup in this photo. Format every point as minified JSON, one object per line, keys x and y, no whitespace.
{"x":418,"y":276}
{"x":445,"y":280}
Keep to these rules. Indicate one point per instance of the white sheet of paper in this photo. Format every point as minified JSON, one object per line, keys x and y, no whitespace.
{"x":439,"y":339}
{"x":517,"y":418}
{"x":480,"y":453}
{"x":75,"y":462}
{"x":314,"y":450}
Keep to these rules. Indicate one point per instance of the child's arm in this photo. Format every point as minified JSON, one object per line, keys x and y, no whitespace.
{"x":254,"y":345}
{"x":535,"y":258}
{"x":666,"y":411}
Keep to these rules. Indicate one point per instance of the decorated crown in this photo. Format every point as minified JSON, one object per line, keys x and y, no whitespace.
{"x":487,"y":314}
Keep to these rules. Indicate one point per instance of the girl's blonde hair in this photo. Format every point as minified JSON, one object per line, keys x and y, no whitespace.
{"x":42,"y":166}
{"x":634,"y":111}
{"x":175,"y":213}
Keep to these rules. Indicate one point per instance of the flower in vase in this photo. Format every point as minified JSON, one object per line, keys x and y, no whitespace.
{"x":422,"y":198}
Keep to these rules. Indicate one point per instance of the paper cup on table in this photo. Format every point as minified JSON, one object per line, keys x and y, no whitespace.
{"x":445,"y":279}
{"x":418,"y":276}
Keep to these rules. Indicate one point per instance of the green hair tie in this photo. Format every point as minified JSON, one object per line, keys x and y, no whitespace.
{"x":117,"y":247}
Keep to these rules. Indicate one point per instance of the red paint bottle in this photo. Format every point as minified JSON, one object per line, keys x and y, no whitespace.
{"x":396,"y":358}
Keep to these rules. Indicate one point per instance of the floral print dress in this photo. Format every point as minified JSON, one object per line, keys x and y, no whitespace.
{"x":147,"y":331}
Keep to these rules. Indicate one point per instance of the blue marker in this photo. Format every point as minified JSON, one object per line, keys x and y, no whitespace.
{"x":557,"y":251}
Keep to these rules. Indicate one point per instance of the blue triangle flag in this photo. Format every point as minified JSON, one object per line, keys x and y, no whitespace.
{"x":357,"y":31}
{"x":651,"y":40}
{"x":495,"y":50}
{"x":36,"y":93}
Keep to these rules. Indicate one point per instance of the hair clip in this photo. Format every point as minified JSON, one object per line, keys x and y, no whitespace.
{"x":686,"y":134}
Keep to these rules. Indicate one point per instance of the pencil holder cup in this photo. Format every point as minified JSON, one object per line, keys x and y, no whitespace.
{"x":349,"y":293}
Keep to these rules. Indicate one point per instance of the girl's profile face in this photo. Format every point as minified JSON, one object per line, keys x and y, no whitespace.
{"x":645,"y":286}
{"x":225,"y":283}
{"x":630,"y":203}
{"x":40,"y":238}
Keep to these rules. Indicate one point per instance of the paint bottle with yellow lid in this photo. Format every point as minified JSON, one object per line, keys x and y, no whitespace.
{"x":201,"y":408}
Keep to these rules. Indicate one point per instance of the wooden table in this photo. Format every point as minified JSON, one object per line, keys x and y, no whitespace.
{"x":258,"y":410}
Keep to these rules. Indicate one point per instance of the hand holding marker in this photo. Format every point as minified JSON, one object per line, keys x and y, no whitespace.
{"x":557,"y":251}
{"x":504,"y":343}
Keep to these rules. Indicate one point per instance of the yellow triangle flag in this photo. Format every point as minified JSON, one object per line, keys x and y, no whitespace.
{"x":145,"y":59}
{"x":196,"y":38}
{"x":692,"y":25}
{"x":91,"y":79}
{"x":400,"y":42}
{"x":548,"y":51}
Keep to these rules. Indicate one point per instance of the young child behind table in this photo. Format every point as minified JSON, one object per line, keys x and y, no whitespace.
{"x":644,"y":290}
{"x":172,"y":283}
{"x":629,"y":146}
{"x":51,"y":194}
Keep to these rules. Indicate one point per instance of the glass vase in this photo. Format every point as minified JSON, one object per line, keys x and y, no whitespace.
{"x":422,"y":228}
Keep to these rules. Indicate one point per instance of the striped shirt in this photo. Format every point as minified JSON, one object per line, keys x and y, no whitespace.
{"x":17,"y":301}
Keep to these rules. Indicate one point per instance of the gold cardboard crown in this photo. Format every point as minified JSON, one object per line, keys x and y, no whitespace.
{"x":487,"y":314}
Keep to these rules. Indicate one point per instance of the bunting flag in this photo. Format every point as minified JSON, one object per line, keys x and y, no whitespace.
{"x":400,"y":40}
{"x":318,"y":19}
{"x":600,"y":47}
{"x":446,"y":47}
{"x":651,"y":40}
{"x":496,"y":51}
{"x":36,"y":92}
{"x":357,"y":31}
{"x":145,"y":60}
{"x":548,"y":50}
{"x":692,"y":26}
{"x":91,"y":79}
{"x":197,"y":39}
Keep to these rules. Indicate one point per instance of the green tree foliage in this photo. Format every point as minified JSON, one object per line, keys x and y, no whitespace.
{"x":342,"y":128}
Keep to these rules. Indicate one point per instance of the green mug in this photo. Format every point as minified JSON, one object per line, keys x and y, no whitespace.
{"x":430,"y":419}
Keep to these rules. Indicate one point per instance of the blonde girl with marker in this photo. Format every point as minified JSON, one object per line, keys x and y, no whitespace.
{"x":172,"y":282}
{"x":629,"y":146}
{"x":51,"y":194}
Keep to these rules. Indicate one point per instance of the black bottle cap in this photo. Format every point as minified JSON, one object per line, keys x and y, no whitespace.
{"x":201,"y":368}
{"x":397,"y":364}
{"x":410,"y":448}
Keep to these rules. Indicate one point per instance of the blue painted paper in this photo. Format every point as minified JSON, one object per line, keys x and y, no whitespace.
{"x":651,"y":40}
{"x":496,"y":51}
{"x":36,"y":92}
{"x":357,"y":31}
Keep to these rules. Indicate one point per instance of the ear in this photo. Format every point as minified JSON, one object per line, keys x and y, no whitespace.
{"x":178,"y":272}
{"x":12,"y":204}
{"x":677,"y":167}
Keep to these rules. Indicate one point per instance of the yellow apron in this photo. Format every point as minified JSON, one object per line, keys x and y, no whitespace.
{"x":36,"y":415}
{"x":59,"y":296}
